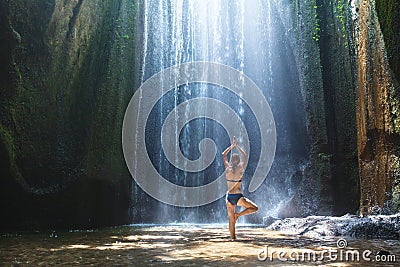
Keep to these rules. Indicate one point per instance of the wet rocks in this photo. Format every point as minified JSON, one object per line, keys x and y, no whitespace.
{"x":377,"y":226}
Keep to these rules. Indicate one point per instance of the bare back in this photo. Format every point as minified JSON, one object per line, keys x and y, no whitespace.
{"x":234,"y":175}
{"x":234,"y":179}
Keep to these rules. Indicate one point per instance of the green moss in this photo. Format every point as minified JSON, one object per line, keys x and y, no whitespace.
{"x":395,"y":109}
{"x":395,"y":168}
{"x":388,"y":13}
{"x":317,"y":28}
{"x":7,"y":139}
{"x":340,"y":12}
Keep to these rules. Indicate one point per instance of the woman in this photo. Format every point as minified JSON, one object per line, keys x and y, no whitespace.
{"x":234,"y":196}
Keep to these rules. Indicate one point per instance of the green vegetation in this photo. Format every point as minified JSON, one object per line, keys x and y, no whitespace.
{"x":340,"y":14}
{"x":388,"y":14}
{"x":396,"y":184}
{"x":317,"y":28}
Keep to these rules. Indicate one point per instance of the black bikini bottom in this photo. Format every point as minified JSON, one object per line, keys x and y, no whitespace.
{"x":233,"y":198}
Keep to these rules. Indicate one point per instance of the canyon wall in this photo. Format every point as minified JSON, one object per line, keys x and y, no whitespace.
{"x":348,"y":62}
{"x":65,"y":82}
{"x":377,"y":102}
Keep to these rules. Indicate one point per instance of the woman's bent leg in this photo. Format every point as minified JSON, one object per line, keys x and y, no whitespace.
{"x":248,"y":205}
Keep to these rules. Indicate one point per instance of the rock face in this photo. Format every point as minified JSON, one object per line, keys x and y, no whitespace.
{"x":377,"y":113}
{"x":64,"y":85}
{"x":354,"y":160}
{"x":320,"y":34}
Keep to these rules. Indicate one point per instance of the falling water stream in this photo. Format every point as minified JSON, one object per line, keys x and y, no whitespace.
{"x":249,"y":37}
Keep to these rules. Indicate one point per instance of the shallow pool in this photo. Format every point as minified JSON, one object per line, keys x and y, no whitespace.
{"x":190,"y":245}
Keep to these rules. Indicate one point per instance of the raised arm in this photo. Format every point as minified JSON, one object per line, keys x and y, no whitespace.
{"x":225,"y":153}
{"x":244,"y":156}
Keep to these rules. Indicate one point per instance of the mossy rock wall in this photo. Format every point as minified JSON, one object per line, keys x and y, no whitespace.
{"x":350,"y":88}
{"x":377,"y":107}
{"x":65,"y":81}
{"x":359,"y":67}
{"x":339,"y":98}
{"x":388,"y":12}
{"x":319,"y":34}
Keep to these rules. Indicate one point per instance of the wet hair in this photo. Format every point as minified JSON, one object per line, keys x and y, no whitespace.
{"x":235,"y":160}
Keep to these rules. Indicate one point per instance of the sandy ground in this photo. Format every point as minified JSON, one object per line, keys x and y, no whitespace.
{"x":181,"y":245}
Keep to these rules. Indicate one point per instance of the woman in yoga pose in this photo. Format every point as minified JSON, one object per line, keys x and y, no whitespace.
{"x":234,"y":196}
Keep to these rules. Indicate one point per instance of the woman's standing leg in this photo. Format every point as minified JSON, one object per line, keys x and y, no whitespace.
{"x":232,"y":219}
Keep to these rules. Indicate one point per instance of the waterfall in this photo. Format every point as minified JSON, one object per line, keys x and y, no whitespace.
{"x":249,"y":37}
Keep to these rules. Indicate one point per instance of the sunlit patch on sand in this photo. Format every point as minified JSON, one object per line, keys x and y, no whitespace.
{"x":150,"y":237}
{"x":77,"y":246}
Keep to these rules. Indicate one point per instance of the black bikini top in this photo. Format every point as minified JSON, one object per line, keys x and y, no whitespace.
{"x":234,"y":180}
